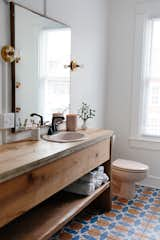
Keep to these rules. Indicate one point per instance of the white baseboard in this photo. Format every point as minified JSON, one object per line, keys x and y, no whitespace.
{"x":151,"y":181}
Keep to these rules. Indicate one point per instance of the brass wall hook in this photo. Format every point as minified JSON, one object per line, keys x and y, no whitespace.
{"x":8,"y":54}
{"x":73,"y":65}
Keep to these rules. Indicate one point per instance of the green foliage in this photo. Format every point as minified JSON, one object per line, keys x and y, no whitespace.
{"x":85,"y":112}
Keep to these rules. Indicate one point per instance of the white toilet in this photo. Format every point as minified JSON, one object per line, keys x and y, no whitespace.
{"x":125,"y":174}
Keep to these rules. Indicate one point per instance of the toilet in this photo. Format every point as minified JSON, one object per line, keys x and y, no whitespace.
{"x":125,"y":173}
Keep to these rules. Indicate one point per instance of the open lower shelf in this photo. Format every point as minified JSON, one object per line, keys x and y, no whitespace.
{"x":49,"y":217}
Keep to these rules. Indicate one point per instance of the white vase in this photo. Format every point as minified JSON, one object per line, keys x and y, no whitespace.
{"x":84,"y":125}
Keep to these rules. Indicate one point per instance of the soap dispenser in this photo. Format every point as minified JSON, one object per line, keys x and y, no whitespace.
{"x":36,"y":133}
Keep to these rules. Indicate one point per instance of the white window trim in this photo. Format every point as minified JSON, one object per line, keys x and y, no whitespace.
{"x":145,"y":9}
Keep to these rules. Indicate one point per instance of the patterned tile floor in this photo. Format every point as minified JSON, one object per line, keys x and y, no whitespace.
{"x":137,"y":219}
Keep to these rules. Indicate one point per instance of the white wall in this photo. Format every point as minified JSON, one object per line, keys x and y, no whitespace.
{"x":88,"y":20}
{"x":120,"y":76}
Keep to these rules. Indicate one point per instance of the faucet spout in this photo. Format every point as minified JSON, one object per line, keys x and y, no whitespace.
{"x":38,"y":115}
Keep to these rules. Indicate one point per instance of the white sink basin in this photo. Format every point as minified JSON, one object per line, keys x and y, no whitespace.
{"x":63,"y":137}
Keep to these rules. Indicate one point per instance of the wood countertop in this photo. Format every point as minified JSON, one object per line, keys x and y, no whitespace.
{"x":20,"y":157}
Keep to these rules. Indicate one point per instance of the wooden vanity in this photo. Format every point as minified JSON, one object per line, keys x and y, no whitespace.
{"x":32,"y":178}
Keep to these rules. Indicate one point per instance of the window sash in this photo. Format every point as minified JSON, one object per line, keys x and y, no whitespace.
{"x":150,"y":118}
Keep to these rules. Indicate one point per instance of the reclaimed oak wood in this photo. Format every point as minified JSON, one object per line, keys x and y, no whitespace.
{"x":21,"y":157}
{"x":46,"y":219}
{"x":105,"y":200}
{"x":26,"y":191}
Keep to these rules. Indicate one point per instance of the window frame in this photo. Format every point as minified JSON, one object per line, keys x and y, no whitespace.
{"x":145,"y":11}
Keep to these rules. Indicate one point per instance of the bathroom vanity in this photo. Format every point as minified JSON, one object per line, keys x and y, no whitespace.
{"x":33,"y":176}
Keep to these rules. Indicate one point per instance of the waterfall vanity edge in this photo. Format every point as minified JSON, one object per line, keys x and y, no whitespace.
{"x":31,"y":195}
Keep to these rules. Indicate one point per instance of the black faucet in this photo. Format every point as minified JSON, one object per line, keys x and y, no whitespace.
{"x":55,"y":122}
{"x":41,"y":117}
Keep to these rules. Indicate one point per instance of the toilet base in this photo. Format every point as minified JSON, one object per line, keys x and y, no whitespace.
{"x":123,"y":189}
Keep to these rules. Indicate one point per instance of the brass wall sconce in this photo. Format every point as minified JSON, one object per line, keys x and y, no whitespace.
{"x":8,"y":54}
{"x":73,"y":65}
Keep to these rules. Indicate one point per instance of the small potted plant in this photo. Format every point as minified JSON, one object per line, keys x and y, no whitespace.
{"x":85,"y":113}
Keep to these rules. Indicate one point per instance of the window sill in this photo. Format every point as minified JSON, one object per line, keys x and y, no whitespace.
{"x":145,"y":143}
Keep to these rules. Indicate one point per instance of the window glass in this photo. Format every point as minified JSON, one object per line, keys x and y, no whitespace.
{"x":151,"y":101}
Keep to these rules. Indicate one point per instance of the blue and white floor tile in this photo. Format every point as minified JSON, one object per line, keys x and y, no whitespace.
{"x":137,"y":219}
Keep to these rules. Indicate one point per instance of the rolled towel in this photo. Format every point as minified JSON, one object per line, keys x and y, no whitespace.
{"x":103,"y":177}
{"x":98,"y":183}
{"x":82,"y":189}
{"x":100,"y":169}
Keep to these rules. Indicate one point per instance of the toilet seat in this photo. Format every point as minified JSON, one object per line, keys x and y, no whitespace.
{"x":129,"y":166}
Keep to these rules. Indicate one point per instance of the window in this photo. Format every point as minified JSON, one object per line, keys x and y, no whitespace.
{"x":54,"y":79}
{"x":151,"y":75}
{"x":145,"y":111}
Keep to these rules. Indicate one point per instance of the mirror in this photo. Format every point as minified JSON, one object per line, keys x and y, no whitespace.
{"x":40,"y":81}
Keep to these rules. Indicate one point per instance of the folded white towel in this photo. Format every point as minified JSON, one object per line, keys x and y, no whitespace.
{"x":90,"y":177}
{"x":88,"y":183}
{"x":82,"y":189}
{"x":103,"y":177}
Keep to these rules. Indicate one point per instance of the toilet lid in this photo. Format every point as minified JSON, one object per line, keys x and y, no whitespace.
{"x":128,"y":165}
